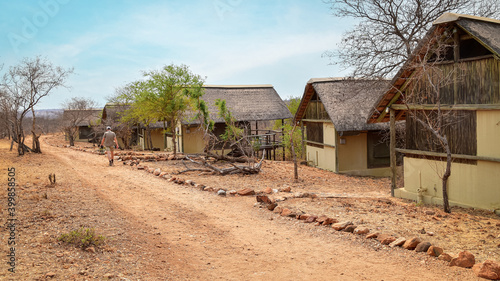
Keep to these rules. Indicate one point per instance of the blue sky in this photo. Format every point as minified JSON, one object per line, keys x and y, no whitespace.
{"x":230,"y":42}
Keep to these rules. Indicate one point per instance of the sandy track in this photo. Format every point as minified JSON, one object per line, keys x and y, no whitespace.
{"x":205,"y":237}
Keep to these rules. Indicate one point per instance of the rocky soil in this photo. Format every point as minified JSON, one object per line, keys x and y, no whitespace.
{"x":159,"y":230}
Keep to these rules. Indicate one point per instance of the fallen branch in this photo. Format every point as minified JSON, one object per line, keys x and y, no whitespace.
{"x":235,"y":169}
{"x":241,"y":159}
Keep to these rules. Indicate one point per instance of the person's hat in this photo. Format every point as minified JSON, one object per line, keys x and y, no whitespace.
{"x":108,"y":128}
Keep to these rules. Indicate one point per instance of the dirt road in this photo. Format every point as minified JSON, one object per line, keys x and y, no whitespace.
{"x":187,"y":234}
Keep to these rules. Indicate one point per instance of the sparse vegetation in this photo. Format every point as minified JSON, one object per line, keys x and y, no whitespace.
{"x":83,"y":238}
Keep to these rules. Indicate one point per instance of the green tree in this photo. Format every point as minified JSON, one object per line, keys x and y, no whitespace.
{"x":166,"y":95}
{"x":291,"y":135}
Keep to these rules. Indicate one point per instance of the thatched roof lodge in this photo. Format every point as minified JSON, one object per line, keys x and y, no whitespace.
{"x":334,"y":113}
{"x":83,"y":120}
{"x":253,"y":105}
{"x":469,"y":97}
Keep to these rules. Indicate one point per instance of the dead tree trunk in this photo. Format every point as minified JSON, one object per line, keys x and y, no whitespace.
{"x":446,"y":175}
{"x":36,"y":140}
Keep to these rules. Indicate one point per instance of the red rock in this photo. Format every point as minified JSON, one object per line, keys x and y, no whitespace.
{"x":157,"y":172}
{"x":246,"y":192}
{"x":361,"y":231}
{"x":330,"y":221}
{"x":398,"y":242}
{"x":349,"y":228}
{"x":278,"y":209}
{"x":311,"y":219}
{"x":286,"y":189}
{"x":268,"y":190}
{"x":434,"y":251}
{"x":286,"y":212}
{"x":488,"y":270}
{"x":371,"y":236}
{"x":341,"y":225}
{"x":386,"y":239}
{"x":412,"y":243}
{"x":272,"y":206}
{"x":303,"y":217}
{"x":140,"y":167}
{"x":445,"y":257}
{"x":422,"y":247}
{"x":465,"y":259}
{"x":321,"y":219}
{"x":263,"y":199}
{"x":162,"y":174}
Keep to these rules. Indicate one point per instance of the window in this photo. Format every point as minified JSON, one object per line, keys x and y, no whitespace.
{"x":470,"y":48}
{"x":315,"y":109}
{"x":314,"y":133}
{"x":459,"y":128}
{"x":378,"y":150}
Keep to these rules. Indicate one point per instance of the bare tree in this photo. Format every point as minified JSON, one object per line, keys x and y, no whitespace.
{"x":5,"y":128}
{"x":77,"y":112}
{"x":26,"y":84}
{"x":15,"y":109}
{"x":235,"y":137}
{"x":429,"y":80}
{"x":122,"y":118}
{"x":389,"y":30}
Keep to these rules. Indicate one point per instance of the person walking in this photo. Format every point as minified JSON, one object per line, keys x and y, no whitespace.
{"x":109,"y":141}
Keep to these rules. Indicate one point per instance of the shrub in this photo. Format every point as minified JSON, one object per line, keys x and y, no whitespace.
{"x":83,"y":238}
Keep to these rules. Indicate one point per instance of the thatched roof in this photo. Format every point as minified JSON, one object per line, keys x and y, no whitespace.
{"x":246,"y":102}
{"x":348,"y":102}
{"x":484,"y":30}
{"x":111,"y":109}
{"x":85,"y":117}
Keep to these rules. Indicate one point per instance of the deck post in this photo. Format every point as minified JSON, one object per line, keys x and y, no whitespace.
{"x":393,"y":149}
{"x":302,"y":143}
{"x":283,"y":137}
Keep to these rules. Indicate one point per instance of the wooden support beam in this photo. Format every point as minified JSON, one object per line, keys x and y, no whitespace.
{"x":393,"y":150}
{"x":443,"y":155}
{"x":283,"y":137}
{"x":393,"y":100}
{"x":318,"y":143}
{"x":303,"y":138}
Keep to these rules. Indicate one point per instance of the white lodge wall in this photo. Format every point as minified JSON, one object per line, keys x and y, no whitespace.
{"x":488,"y":133}
{"x":324,"y":158}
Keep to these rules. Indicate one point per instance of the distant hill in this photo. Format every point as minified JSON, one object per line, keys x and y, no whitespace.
{"x":47,"y":113}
